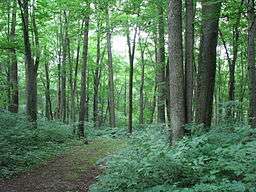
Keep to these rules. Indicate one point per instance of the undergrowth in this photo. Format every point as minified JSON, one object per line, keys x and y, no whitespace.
{"x":221,"y":160}
{"x":22,"y":147}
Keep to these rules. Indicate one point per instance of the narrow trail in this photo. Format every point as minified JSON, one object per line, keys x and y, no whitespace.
{"x":74,"y":171}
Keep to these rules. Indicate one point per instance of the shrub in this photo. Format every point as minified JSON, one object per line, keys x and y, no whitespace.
{"x":224,"y":159}
{"x":22,"y":147}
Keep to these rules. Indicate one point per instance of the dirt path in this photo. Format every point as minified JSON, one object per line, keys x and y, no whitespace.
{"x":73,"y":172}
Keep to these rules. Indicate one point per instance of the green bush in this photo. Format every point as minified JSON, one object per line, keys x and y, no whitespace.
{"x":222,"y":160}
{"x":22,"y":147}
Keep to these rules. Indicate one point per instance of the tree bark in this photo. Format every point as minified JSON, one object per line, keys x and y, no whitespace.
{"x":189,"y":59}
{"x":63,"y":70}
{"x":251,"y":61}
{"x":31,"y":70}
{"x":83,"y":96}
{"x":13,"y":78}
{"x":131,"y":48}
{"x":177,"y":101}
{"x":142,"y":105}
{"x":207,"y":62}
{"x":161,"y":82}
{"x":48,"y":103}
{"x":112,"y":121}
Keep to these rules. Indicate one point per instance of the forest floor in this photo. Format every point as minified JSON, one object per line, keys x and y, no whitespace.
{"x":73,"y":171}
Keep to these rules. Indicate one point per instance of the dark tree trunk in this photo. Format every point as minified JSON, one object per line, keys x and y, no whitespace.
{"x":59,"y":43}
{"x":83,"y":96}
{"x":168,"y":91}
{"x":177,"y":99}
{"x":161,"y":82}
{"x":251,"y":61}
{"x":97,"y":77}
{"x":112,"y":121}
{"x":142,"y":105}
{"x":125,"y":94}
{"x":207,"y":62}
{"x":189,"y":59}
{"x":153,"y":104}
{"x":74,"y":89}
{"x":31,"y":69}
{"x":13,"y":78}
{"x":48,"y":103}
{"x":63,"y":70}
{"x":131,"y":48}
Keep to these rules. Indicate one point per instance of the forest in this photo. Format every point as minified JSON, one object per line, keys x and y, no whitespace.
{"x":127,"y":96}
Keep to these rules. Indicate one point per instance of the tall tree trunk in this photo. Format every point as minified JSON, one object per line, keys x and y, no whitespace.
{"x":13,"y":78}
{"x":87,"y":117}
{"x":232,"y":67}
{"x":189,"y":58}
{"x":125,"y":94}
{"x":142,"y":105}
{"x":251,"y":61}
{"x":97,"y":77}
{"x":177,"y":101}
{"x":167,"y":74}
{"x":48,"y":103}
{"x":207,"y":62}
{"x":131,"y":48}
{"x":74,"y":90}
{"x":161,"y":66}
{"x":153,"y":104}
{"x":31,"y":69}
{"x":112,"y":120}
{"x":59,"y":44}
{"x":63,"y":70}
{"x":83,"y":96}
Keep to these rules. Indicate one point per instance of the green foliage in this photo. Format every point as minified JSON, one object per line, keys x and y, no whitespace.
{"x":22,"y":147}
{"x":224,"y":159}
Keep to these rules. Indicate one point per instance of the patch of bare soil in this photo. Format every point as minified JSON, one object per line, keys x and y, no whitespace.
{"x":55,"y":176}
{"x":74,"y":171}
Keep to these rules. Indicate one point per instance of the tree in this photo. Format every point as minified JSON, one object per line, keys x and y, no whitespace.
{"x":48,"y":102}
{"x":112,"y":118}
{"x":13,"y":76}
{"x":84,"y":89}
{"x":63,"y":68}
{"x":207,"y":62}
{"x":189,"y":58}
{"x":251,"y":61}
{"x":31,"y":66}
{"x":131,"y":46}
{"x":142,"y":102}
{"x":161,"y":66}
{"x":176,"y":76}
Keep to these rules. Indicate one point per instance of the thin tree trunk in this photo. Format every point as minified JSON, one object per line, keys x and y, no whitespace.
{"x":131,"y":48}
{"x":48,"y":104}
{"x":177,"y":101}
{"x":167,"y":74}
{"x":83,"y":97}
{"x":153,"y":104}
{"x":125,"y":94}
{"x":74,"y":90}
{"x":142,"y":105}
{"x":207,"y":62}
{"x":63,"y":70}
{"x":13,"y":78}
{"x":112,"y":120}
{"x":59,"y":44}
{"x":251,"y":62}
